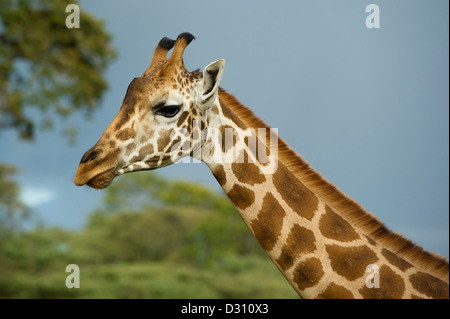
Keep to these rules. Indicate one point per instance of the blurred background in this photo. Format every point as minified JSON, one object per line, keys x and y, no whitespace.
{"x":367,"y":108}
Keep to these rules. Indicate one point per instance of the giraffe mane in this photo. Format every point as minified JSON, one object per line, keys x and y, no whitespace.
{"x":370,"y":225}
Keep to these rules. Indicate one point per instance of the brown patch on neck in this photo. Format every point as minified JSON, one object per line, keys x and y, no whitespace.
{"x":300,"y":241}
{"x":229,"y":138}
{"x":392,"y":286}
{"x":334,"y":291}
{"x":350,"y":262}
{"x":308,"y":273}
{"x":248,"y":173}
{"x":228,"y":113}
{"x":214,"y":109}
{"x":429,"y":285}
{"x":333,"y":226}
{"x":371,"y":241}
{"x":241,"y":196}
{"x":219,"y":174}
{"x":267,"y":226}
{"x":300,"y":199}
{"x":395,"y":260}
{"x":259,"y":149}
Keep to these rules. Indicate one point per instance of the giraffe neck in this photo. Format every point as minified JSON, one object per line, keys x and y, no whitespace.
{"x":319,"y":249}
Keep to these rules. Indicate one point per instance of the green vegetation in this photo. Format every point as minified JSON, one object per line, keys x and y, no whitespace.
{"x":12,"y":210}
{"x":151,"y":238}
{"x":47,"y":73}
{"x":47,"y":69}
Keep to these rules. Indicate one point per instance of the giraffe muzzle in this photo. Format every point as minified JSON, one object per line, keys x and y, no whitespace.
{"x":97,"y":168}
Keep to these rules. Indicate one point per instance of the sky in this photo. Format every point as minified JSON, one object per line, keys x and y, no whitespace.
{"x":367,"y":107}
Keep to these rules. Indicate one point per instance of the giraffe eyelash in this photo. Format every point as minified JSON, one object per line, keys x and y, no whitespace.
{"x":167,"y":111}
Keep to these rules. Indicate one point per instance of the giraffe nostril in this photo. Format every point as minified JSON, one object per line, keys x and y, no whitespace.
{"x":90,"y":155}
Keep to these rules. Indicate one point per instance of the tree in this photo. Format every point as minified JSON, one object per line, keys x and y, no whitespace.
{"x":47,"y":72}
{"x":48,"y":67}
{"x":147,"y":216}
{"x":147,"y":189}
{"x":12,"y":210}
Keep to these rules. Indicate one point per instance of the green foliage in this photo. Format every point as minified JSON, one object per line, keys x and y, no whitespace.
{"x":36,"y":250}
{"x":153,"y":280}
{"x":12,"y":210}
{"x":47,"y":72}
{"x":132,"y":236}
{"x":47,"y":67}
{"x":167,"y":245}
{"x":144,"y":190}
{"x":219,"y":235}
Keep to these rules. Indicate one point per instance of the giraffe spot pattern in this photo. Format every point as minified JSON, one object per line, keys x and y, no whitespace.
{"x":219,"y":174}
{"x":333,"y":226}
{"x":126,"y":134}
{"x":230,"y":115}
{"x":186,"y":146}
{"x":429,"y":285}
{"x":152,"y":161}
{"x":130,"y":148}
{"x":248,"y":173}
{"x":259,"y":151}
{"x":334,"y":291}
{"x":294,"y":193}
{"x":308,"y":273}
{"x":229,"y":137}
{"x":144,"y":151}
{"x":136,"y":159}
{"x":208,"y":149}
{"x":350,"y":262}
{"x":299,"y":241}
{"x":196,"y":136}
{"x":166,"y":159}
{"x":241,"y":196}
{"x":182,"y":118}
{"x":174,"y":145}
{"x":267,"y":226}
{"x":395,"y":260}
{"x":371,"y":241}
{"x":163,"y":139}
{"x":392,"y":286}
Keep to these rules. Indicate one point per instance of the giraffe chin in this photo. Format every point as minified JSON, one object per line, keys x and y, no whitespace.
{"x":102,"y":181}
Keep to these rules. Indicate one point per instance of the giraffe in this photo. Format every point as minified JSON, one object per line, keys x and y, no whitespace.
{"x":324,"y":243}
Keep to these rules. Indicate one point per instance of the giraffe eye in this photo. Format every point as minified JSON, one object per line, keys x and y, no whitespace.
{"x":168,"y":110}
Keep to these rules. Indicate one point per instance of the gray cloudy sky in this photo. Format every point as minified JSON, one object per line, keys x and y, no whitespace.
{"x":367,"y":108}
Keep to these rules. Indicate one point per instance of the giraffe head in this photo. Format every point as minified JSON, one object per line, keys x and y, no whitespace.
{"x":160,"y":117}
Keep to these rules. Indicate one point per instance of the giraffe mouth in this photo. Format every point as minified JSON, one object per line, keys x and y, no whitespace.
{"x":102,"y":180}
{"x":98,"y":181}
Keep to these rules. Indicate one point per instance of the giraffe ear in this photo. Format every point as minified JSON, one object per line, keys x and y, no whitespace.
{"x":209,"y":86}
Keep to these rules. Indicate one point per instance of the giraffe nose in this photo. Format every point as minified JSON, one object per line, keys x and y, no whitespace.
{"x":90,"y":155}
